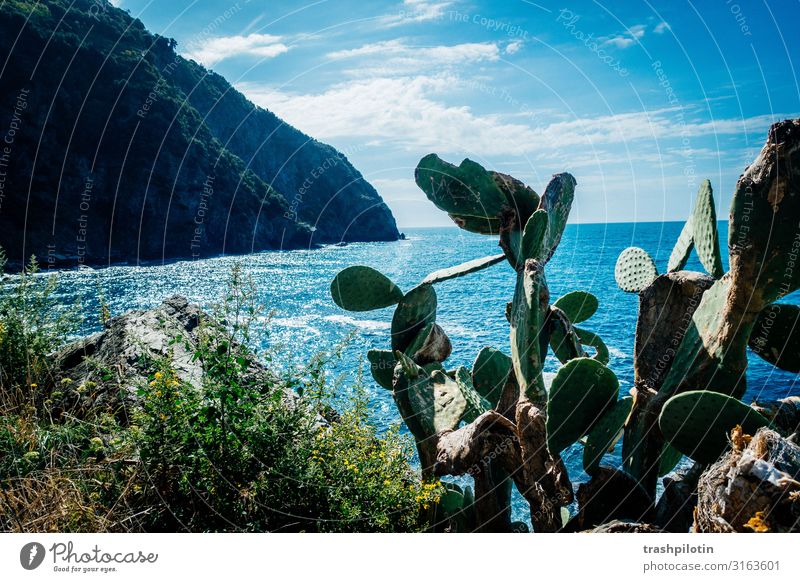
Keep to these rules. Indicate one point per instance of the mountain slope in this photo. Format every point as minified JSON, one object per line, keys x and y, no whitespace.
{"x":113,"y":148}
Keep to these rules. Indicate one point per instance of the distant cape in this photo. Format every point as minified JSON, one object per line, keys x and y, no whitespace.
{"x":113,"y":148}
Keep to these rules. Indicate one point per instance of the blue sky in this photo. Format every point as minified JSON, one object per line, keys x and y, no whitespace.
{"x":639,"y":100}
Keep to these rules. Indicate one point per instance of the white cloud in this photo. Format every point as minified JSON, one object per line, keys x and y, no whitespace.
{"x":213,"y":50}
{"x":630,"y":37}
{"x":661,"y":27}
{"x":395,"y":57}
{"x":513,"y":47}
{"x":406,"y":113}
{"x":413,"y":11}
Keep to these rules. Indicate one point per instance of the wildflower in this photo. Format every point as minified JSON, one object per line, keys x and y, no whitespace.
{"x":152,"y":382}
{"x":66,"y":380}
{"x":34,"y":385}
{"x":159,"y":375}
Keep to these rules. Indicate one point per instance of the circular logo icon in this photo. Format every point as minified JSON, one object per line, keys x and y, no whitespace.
{"x":31,"y":555}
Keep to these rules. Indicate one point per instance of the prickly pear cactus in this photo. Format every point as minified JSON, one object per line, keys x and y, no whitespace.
{"x":360,"y":288}
{"x":635,"y":270}
{"x":605,"y":434}
{"x":581,"y":392}
{"x":697,"y":423}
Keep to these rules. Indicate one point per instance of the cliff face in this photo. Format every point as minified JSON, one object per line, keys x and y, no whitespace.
{"x":113,"y":148}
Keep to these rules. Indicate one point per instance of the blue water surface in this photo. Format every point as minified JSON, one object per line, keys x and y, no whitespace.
{"x":296,"y":286}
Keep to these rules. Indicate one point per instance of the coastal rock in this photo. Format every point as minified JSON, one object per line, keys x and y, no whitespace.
{"x":754,"y":487}
{"x":108,"y":369}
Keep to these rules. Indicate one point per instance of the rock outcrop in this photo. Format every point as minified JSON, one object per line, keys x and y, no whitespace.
{"x":754,"y":487}
{"x":108,"y":370}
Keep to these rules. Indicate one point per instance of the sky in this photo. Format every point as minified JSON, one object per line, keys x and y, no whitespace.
{"x":640,"y":101}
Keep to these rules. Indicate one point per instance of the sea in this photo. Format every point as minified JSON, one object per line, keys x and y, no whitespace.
{"x":294,"y":287}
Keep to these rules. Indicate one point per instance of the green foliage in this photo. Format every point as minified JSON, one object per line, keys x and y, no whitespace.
{"x":33,"y":324}
{"x":238,"y":451}
{"x":698,"y":423}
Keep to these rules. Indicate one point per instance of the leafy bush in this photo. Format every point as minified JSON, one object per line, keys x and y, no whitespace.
{"x":32,"y":326}
{"x":240,"y":451}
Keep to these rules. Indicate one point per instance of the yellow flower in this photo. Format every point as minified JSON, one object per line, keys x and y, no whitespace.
{"x":152,"y":383}
{"x":159,"y":375}
{"x":34,"y":385}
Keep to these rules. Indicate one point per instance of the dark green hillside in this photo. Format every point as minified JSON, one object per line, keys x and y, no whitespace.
{"x":106,"y":159}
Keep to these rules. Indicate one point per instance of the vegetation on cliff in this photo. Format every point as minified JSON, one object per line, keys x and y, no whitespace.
{"x":112,"y":433}
{"x":118,"y":149}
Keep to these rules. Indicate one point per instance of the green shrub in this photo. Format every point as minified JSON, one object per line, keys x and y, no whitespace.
{"x":240,"y":451}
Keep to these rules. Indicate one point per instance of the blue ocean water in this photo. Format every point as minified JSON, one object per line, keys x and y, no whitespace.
{"x":296,"y":286}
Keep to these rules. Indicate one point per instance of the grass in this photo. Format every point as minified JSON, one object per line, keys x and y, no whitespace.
{"x":232,"y":453}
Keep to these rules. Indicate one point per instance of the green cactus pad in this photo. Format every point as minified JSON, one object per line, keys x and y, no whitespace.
{"x":428,"y":404}
{"x":430,"y":345}
{"x":463,"y":269}
{"x":533,"y":237}
{"x":704,"y":229}
{"x":698,"y":423}
{"x":381,"y":364}
{"x":415,"y":310}
{"x":557,"y":201}
{"x":577,"y":305}
{"x":476,"y":404}
{"x":670,"y":457}
{"x":467,"y":190}
{"x":635,"y":270}
{"x":581,"y":392}
{"x":682,"y":249}
{"x":588,"y":338}
{"x":563,"y":340}
{"x":605,"y":434}
{"x":490,"y":373}
{"x":526,"y":318}
{"x":360,"y":288}
{"x":776,"y":336}
{"x":521,"y":198}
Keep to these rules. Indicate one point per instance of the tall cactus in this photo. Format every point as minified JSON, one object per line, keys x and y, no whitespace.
{"x":711,"y":355}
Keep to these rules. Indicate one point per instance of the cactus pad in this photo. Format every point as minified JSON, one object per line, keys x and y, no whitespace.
{"x":360,"y":288}
{"x":557,"y":201}
{"x":578,"y":306}
{"x":698,"y":423}
{"x":462,"y":269}
{"x":635,"y":270}
{"x":476,"y":405}
{"x":490,"y":373}
{"x":776,"y":336}
{"x":581,"y":392}
{"x":682,"y":249}
{"x":415,"y":310}
{"x":467,"y":190}
{"x":704,"y":231}
{"x":669,"y":459}
{"x":589,"y":338}
{"x":381,"y":364}
{"x":605,"y":434}
{"x":533,"y":237}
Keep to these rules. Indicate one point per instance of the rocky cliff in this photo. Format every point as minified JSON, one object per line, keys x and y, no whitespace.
{"x":114,"y":148}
